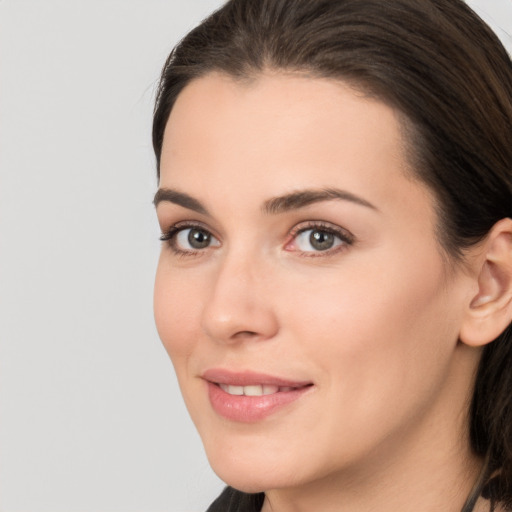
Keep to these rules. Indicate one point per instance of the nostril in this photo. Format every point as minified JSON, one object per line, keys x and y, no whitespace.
{"x":245,"y":334}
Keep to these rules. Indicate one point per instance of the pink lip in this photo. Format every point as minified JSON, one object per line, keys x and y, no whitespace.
{"x":247,"y":378}
{"x":250,"y":409}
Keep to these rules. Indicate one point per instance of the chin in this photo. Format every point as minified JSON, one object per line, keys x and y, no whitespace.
{"x":257,"y":470}
{"x":244,"y":469}
{"x":251,"y":480}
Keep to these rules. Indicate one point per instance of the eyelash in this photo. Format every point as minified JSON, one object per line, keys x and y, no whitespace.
{"x":170,"y":237}
{"x":345,"y":237}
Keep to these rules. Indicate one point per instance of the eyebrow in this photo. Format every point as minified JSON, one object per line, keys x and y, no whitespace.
{"x":303,"y":198}
{"x":179,"y":198}
{"x":281,"y":204}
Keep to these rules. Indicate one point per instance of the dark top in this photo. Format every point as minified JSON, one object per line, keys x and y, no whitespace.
{"x":232,"y":500}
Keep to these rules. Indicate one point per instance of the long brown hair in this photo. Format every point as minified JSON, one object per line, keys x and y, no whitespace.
{"x":438,"y":64}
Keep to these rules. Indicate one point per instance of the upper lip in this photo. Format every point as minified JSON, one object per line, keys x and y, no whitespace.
{"x":249,"y":378}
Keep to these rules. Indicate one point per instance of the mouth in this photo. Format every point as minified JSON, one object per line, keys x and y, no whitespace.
{"x":254,"y":390}
{"x":249,"y":397}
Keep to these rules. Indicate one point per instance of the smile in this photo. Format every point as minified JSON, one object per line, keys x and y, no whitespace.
{"x":255,"y":390}
{"x":249,"y":397}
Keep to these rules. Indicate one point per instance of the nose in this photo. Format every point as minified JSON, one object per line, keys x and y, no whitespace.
{"x":239,"y":306}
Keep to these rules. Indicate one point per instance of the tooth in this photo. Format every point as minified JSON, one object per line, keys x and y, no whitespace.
{"x":253,"y":390}
{"x":236,"y":390}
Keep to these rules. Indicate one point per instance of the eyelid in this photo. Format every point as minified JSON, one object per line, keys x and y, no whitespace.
{"x":178,"y":226}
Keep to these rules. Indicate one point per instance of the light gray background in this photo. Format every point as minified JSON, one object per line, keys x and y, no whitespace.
{"x":90,"y":414}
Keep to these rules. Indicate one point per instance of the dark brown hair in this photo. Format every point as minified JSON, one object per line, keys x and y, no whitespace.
{"x":449,"y":76}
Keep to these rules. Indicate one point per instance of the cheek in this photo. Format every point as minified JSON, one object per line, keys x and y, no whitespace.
{"x":177,"y":309}
{"x":384,"y":331}
{"x":380,"y":343}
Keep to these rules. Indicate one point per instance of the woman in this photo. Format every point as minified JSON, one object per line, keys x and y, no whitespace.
{"x":335,"y":282}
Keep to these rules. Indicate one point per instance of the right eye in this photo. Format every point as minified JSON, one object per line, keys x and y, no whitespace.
{"x":189,"y":239}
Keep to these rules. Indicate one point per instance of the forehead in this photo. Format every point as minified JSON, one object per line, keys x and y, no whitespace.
{"x":280,"y":132}
{"x":278,"y":108}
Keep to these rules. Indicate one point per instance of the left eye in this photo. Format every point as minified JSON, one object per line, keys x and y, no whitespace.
{"x":316,"y":239}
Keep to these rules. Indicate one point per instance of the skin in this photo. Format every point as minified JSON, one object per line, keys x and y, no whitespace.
{"x":373,"y":323}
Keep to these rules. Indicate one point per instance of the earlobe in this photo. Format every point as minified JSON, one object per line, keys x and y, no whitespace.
{"x":489,"y":311}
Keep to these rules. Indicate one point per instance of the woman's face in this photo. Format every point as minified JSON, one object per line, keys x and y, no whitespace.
{"x":302,"y":296}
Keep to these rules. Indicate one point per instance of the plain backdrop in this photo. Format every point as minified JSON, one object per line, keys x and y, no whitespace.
{"x":91,"y":418}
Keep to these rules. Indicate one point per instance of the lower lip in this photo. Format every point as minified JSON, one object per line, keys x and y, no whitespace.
{"x":250,"y":409}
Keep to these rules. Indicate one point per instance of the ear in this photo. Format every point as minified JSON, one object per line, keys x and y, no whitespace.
{"x":489,"y":311}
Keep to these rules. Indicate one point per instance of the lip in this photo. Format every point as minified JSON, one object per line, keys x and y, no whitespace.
{"x":251,"y":409}
{"x":249,"y":378}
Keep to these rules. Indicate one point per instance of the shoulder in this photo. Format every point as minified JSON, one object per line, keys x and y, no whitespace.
{"x":232,"y":500}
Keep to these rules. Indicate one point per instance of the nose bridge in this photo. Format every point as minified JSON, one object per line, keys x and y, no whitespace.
{"x":239,"y":305}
